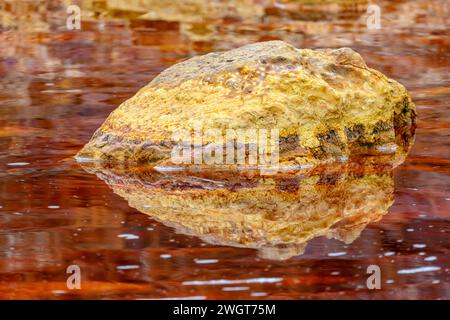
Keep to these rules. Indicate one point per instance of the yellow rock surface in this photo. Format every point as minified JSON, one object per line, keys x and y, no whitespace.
{"x":327,"y":103}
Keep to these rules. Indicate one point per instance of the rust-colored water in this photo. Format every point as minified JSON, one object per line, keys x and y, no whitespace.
{"x":58,"y":87}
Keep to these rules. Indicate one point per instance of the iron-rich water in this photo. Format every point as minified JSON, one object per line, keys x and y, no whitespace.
{"x":57,"y":87}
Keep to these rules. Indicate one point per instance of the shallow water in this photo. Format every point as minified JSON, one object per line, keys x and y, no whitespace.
{"x":58,"y":87}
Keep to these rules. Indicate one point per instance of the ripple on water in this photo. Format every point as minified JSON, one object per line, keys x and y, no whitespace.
{"x":235,"y":288}
{"x":431,"y":258}
{"x":225,"y":282}
{"x":206,"y":261}
{"x":419,"y":270}
{"x":18,"y":164}
{"x":258,"y":294}
{"x":337,"y":254}
{"x":128,"y":236}
{"x":128,"y":267}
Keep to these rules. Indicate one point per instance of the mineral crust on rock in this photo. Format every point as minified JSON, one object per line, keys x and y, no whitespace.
{"x":327,"y":105}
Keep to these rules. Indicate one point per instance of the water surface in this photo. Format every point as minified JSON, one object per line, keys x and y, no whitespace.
{"x":57,"y":87}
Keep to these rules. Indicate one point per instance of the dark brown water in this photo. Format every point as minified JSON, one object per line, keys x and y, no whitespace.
{"x":58,"y":87}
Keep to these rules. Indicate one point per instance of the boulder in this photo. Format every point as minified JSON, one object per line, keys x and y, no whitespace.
{"x":325,"y":105}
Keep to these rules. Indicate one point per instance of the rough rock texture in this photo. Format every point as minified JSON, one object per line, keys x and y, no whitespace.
{"x":276,"y":215}
{"x":327,"y":105}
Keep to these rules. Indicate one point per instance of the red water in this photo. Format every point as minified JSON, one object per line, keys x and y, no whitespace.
{"x":58,"y":87}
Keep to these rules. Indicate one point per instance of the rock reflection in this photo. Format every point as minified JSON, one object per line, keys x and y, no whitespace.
{"x":276,"y":214}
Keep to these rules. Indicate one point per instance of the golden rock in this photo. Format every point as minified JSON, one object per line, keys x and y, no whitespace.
{"x":327,"y":105}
